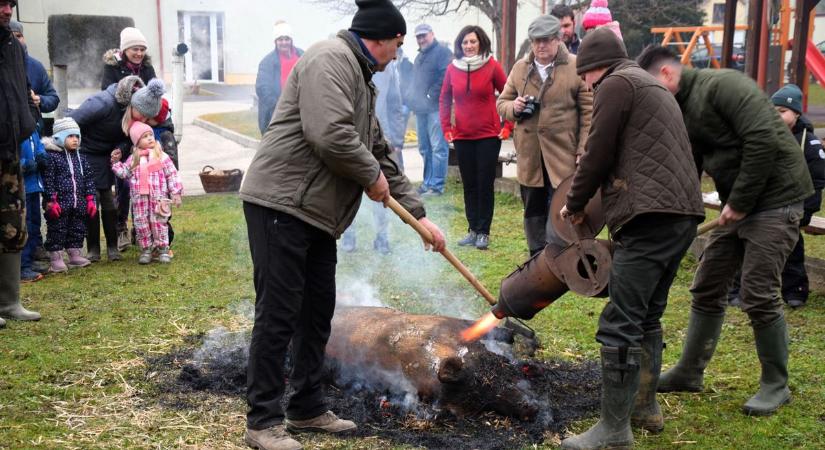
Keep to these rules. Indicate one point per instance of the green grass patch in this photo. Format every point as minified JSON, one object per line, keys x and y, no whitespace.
{"x":244,"y":122}
{"x":816,"y":95}
{"x":78,"y":378}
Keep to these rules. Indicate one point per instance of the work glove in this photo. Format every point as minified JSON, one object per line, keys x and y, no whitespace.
{"x":449,"y":135}
{"x":53,"y":209}
{"x":176,"y":200}
{"x":91,"y":207}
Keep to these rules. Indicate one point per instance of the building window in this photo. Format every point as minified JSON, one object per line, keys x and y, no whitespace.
{"x":820,"y":9}
{"x":718,"y":13}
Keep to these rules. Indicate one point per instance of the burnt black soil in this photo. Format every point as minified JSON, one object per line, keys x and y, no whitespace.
{"x":566,"y":392}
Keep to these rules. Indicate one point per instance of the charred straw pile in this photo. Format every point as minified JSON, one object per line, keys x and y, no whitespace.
{"x":215,"y":365}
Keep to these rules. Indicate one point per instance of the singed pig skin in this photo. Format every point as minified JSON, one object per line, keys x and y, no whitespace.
{"x":465,"y":378}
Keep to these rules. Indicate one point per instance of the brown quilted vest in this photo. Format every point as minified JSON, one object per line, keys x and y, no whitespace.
{"x":654,"y":170}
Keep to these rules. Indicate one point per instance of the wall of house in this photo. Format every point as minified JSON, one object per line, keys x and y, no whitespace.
{"x":248,"y":24}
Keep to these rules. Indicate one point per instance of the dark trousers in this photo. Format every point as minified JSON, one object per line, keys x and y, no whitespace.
{"x":123,"y":199}
{"x":108,"y":214}
{"x":646,"y":257}
{"x":68,"y":230}
{"x":33,"y":226}
{"x":538,"y":228}
{"x":794,"y":275}
{"x":759,"y":244}
{"x":294,"y":276}
{"x":477,"y":160}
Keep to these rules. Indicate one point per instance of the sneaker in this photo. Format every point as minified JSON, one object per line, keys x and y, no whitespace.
{"x":482,"y":241}
{"x":468,"y":240}
{"x":795,"y":302}
{"x":145,"y":256}
{"x":275,"y":438}
{"x":163,"y":256}
{"x":422,"y":189}
{"x":123,"y":240}
{"x":113,"y":254}
{"x":381,"y":246}
{"x":30,"y":276}
{"x":327,"y":422}
{"x":433,"y":193}
{"x":40,"y":254}
{"x":40,"y":266}
{"x":348,"y":243}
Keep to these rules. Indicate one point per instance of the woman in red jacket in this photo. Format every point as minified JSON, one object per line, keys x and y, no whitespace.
{"x":471,"y":82}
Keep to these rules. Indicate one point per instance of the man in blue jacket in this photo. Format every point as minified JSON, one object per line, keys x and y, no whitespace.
{"x":422,"y":97}
{"x":44,"y":94}
{"x":273,"y":71}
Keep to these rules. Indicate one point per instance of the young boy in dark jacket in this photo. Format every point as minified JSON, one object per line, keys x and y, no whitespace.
{"x":788,"y":103}
{"x":32,"y":159}
{"x":69,"y":195}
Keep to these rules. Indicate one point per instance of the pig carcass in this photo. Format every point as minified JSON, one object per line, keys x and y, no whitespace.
{"x":395,"y":350}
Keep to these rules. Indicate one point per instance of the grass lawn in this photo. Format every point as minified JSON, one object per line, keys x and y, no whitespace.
{"x":79,"y":378}
{"x":244,"y":122}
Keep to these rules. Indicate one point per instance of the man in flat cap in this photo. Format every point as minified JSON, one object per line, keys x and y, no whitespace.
{"x":321,"y":151}
{"x":639,"y":154}
{"x":549,"y":139}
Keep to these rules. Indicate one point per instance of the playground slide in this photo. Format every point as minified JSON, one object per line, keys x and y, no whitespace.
{"x":815,"y":62}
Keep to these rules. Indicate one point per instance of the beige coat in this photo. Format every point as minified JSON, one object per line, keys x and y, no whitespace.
{"x":559,"y":130}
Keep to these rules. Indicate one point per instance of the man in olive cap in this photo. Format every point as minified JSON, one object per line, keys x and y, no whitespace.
{"x":320,"y":153}
{"x":639,"y":154}
{"x":549,"y":139}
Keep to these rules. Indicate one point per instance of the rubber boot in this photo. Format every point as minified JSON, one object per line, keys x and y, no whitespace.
{"x":772,"y":348}
{"x":109,"y":219}
{"x":688,"y":374}
{"x":620,"y":381}
{"x":646,"y":411}
{"x":93,"y":239}
{"x":75,"y":260}
{"x":57,"y":264}
{"x":10,"y":307}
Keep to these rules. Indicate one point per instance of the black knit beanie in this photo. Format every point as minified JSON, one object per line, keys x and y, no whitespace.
{"x":599,"y":48}
{"x":378,"y":19}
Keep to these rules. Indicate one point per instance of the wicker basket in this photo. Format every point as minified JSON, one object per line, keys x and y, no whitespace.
{"x":221,"y":180}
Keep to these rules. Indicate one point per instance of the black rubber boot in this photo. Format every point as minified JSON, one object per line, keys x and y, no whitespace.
{"x":620,"y":381}
{"x":10,"y":307}
{"x":772,"y":348}
{"x":93,"y":238}
{"x":688,"y":374}
{"x":646,"y":411}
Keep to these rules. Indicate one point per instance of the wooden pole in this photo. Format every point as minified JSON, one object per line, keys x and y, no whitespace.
{"x":730,"y":30}
{"x":428,"y":237}
{"x":799,"y":72}
{"x":509,"y":8}
{"x":752,"y":49}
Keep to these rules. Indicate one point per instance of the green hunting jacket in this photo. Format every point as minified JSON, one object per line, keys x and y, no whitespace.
{"x":324,"y":145}
{"x":739,"y":139}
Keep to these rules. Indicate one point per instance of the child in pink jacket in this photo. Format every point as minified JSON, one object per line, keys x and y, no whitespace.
{"x":154,"y":185}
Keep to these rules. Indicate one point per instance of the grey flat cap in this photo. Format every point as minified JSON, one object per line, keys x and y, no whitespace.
{"x":544,"y":26}
{"x":423,"y":29}
{"x":16,"y":27}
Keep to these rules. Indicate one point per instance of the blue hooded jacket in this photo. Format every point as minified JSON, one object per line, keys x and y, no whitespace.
{"x":32,"y":158}
{"x":41,"y":85}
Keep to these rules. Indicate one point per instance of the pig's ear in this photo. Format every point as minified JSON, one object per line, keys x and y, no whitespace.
{"x":451,"y":370}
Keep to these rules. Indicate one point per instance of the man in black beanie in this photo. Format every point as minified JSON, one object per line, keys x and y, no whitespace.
{"x":638,"y":152}
{"x":321,"y":151}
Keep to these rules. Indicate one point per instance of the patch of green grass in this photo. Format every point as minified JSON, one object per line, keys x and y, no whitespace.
{"x":244,"y":122}
{"x":77,"y":379}
{"x":816,"y":95}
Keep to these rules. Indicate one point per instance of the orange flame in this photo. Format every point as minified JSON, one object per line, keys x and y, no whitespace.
{"x":480,"y":328}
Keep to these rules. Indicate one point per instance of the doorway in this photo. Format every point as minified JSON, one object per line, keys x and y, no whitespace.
{"x":203,"y":32}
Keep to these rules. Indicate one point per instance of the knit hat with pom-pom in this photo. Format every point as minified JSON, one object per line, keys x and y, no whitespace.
{"x":147,"y":99}
{"x":597,"y":14}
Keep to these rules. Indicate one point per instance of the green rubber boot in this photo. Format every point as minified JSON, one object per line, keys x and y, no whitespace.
{"x":772,"y":348}
{"x":620,"y":380}
{"x":688,"y":374}
{"x":646,"y":411}
{"x":10,"y":307}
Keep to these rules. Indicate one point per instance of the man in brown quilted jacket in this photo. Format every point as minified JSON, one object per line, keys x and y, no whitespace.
{"x":639,"y":154}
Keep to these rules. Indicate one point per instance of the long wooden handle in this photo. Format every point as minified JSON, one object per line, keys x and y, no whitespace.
{"x":427,"y":236}
{"x":705,"y":227}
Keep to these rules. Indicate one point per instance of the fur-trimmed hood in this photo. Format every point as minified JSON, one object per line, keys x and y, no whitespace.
{"x":112,"y":57}
{"x":125,"y":87}
{"x":51,"y":145}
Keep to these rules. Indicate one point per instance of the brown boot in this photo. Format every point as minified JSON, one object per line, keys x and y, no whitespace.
{"x":327,"y":422}
{"x":275,"y":438}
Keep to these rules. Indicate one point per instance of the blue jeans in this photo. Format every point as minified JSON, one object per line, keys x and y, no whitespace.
{"x":434,"y":150}
{"x":379,"y":217}
{"x":33,"y":227}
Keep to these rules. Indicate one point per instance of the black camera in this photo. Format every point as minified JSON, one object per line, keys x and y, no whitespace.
{"x":530,"y":107}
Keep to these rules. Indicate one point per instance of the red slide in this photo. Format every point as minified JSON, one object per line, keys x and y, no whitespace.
{"x":815,"y":62}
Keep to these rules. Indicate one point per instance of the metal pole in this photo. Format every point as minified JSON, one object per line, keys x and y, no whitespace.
{"x":800,"y":40}
{"x":730,"y":30}
{"x":61,"y":85}
{"x":754,"y":38}
{"x":177,"y":94}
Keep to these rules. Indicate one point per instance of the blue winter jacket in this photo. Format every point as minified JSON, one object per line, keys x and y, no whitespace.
{"x":428,"y":75}
{"x":68,"y":175}
{"x":41,"y":85}
{"x":268,"y":86}
{"x":32,"y":159}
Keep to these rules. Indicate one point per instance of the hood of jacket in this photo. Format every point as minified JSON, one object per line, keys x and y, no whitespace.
{"x":51,"y":145}
{"x":112,"y":57}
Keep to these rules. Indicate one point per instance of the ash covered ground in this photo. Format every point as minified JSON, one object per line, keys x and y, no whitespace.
{"x":214,"y":365}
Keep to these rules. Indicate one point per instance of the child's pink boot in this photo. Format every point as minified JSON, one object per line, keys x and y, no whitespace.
{"x":57,"y":264}
{"x":75,"y":260}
